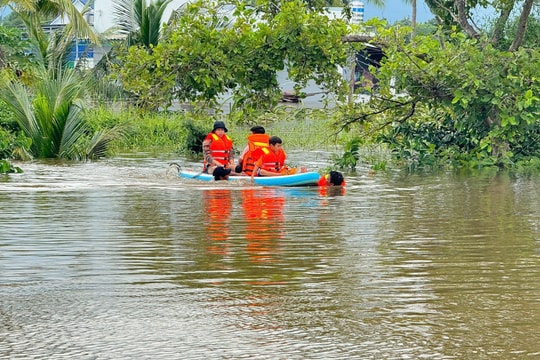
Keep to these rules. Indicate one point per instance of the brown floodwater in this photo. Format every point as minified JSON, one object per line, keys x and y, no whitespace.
{"x":121,"y":259}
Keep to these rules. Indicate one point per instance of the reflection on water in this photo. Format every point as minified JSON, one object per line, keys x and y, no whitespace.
{"x":117,"y":259}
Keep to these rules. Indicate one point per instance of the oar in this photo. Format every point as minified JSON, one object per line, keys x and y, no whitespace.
{"x":197,"y":175}
{"x":179,"y":168}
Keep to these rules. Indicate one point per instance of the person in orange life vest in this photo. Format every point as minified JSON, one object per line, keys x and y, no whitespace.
{"x":332,"y":184}
{"x":256,"y":139}
{"x":333,"y":178}
{"x":218,"y":151}
{"x":269,"y":161}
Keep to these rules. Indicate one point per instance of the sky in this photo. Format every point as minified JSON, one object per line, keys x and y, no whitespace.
{"x":395,"y":10}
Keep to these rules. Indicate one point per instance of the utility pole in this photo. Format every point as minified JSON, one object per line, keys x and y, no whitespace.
{"x":357,"y":17}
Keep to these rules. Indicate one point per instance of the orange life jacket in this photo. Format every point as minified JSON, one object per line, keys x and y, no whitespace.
{"x":220,"y":148}
{"x":324,"y":180}
{"x":325,"y":187}
{"x":272,"y":161}
{"x":255,"y":141}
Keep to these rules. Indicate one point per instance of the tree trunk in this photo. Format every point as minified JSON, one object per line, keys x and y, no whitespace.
{"x":522,"y":25}
{"x":413,"y":17}
{"x":357,"y":38}
{"x":498,"y":29}
{"x":463,"y":21}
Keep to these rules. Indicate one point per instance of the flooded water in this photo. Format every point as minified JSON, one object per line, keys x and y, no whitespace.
{"x":121,"y":259}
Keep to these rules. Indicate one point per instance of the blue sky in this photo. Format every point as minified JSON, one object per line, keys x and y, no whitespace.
{"x":395,"y":10}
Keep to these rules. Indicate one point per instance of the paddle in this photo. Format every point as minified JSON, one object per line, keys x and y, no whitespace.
{"x":177,"y":165}
{"x":198,"y":174}
{"x":179,"y":168}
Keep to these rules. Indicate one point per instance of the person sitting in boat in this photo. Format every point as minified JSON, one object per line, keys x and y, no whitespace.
{"x":256,"y":139}
{"x":218,"y":150}
{"x":271,"y":161}
{"x":333,"y":178}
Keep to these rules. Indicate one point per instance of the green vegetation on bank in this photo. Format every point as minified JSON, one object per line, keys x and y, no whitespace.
{"x":446,"y":95}
{"x":182,"y":132}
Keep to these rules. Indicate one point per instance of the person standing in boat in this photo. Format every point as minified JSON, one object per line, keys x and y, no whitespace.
{"x":218,"y":152}
{"x":257,"y":139}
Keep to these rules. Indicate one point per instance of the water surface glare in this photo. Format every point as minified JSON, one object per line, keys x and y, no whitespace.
{"x":120,"y":259}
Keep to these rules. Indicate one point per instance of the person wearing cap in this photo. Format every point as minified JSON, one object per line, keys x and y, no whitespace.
{"x":256,"y":139}
{"x":218,"y":152}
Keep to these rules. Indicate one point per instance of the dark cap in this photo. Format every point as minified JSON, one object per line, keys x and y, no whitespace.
{"x":220,"y":172}
{"x":219,"y":125}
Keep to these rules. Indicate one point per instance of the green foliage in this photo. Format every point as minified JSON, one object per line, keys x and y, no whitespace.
{"x":51,"y":115}
{"x":14,"y":145}
{"x":206,"y":55}
{"x":13,"y":50}
{"x":351,"y":155}
{"x":460,"y":103}
{"x":140,"y":21}
{"x":528,"y":166}
{"x":195,"y":137}
{"x":532,"y":37}
{"x":152,"y":131}
{"x":445,"y":9}
{"x":49,"y":49}
{"x":7,"y":119}
{"x":6,"y":167}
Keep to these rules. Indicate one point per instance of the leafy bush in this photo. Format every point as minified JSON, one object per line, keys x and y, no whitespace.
{"x":6,"y":167}
{"x":195,"y":137}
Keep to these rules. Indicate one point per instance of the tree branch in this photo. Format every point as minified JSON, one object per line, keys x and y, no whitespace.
{"x":522,"y":25}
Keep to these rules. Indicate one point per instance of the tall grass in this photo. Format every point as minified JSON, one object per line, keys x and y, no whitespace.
{"x":173,"y":131}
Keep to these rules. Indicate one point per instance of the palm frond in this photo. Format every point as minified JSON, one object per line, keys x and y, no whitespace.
{"x":125,"y":15}
{"x":74,"y":129}
{"x":100,"y":141}
{"x":28,"y":5}
{"x":76,"y":22}
{"x":15,"y":95}
{"x":140,"y":21}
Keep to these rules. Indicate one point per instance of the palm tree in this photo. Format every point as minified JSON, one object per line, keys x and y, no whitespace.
{"x":49,"y":109}
{"x":413,"y":14}
{"x":34,"y":12}
{"x":139,"y":21}
{"x":51,"y":115}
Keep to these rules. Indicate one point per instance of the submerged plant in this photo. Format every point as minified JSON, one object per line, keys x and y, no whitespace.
{"x":350,"y":156}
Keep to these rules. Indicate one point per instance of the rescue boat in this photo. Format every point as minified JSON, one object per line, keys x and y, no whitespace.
{"x":299,"y":179}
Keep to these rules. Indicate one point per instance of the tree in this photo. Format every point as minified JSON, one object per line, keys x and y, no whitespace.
{"x":34,"y":12}
{"x":51,"y":115}
{"x":139,"y":21}
{"x":462,"y":101}
{"x":460,"y":13}
{"x":211,"y":49}
{"x":48,"y":109}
